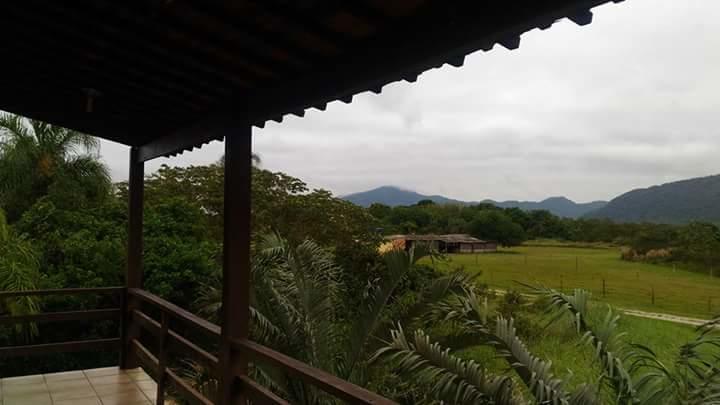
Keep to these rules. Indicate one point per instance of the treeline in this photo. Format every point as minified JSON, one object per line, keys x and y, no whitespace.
{"x":697,"y":243}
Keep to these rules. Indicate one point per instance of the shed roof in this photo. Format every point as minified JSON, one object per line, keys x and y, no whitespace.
{"x":447,"y":238}
{"x":170,"y":74}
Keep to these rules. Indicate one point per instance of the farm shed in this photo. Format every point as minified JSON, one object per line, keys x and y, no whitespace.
{"x":450,"y":243}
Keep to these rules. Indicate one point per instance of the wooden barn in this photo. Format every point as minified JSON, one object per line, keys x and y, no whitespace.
{"x":450,"y":243}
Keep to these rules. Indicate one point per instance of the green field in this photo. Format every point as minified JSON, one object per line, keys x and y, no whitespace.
{"x":627,"y":284}
{"x":575,"y":362}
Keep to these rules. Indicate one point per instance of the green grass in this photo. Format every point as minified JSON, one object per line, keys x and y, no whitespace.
{"x":575,"y":363}
{"x":572,"y":360}
{"x":627,"y":284}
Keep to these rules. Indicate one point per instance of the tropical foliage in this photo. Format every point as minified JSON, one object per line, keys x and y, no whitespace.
{"x":322,"y":292}
{"x":38,"y":158}
{"x":630,"y":373}
{"x":18,"y":272}
{"x":297,"y":290}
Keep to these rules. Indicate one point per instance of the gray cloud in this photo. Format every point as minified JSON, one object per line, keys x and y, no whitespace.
{"x":587,"y":112}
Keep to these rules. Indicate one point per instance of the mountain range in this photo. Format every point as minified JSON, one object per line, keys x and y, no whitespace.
{"x":673,"y":203}
{"x":678,"y":202}
{"x":393,"y":196}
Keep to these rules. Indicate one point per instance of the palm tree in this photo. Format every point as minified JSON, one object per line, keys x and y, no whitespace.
{"x":18,"y":272}
{"x":36,"y":157}
{"x":293,"y":307}
{"x":630,"y":373}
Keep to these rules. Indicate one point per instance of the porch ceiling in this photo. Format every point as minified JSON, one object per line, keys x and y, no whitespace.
{"x":171,"y":73}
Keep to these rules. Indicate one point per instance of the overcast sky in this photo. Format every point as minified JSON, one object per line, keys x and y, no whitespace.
{"x":628,"y":101}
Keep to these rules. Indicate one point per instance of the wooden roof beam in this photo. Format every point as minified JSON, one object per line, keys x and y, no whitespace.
{"x":152,"y":75}
{"x":371,"y":69}
{"x":376,"y":68}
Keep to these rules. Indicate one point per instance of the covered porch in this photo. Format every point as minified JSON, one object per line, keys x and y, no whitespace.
{"x":166,"y":77}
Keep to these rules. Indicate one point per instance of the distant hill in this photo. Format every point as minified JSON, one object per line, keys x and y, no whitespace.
{"x":393,"y":196}
{"x":674,"y":203}
{"x":560,"y":206}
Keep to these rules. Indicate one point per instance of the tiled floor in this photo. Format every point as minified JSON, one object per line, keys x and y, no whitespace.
{"x":100,"y":386}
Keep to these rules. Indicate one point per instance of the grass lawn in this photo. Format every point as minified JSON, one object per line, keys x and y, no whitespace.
{"x":627,"y":284}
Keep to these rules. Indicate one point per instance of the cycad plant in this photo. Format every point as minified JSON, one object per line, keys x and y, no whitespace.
{"x":296,"y":294}
{"x":454,"y":380}
{"x":630,"y":373}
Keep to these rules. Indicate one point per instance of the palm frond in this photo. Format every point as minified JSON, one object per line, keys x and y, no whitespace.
{"x":397,"y":265}
{"x":535,"y":372}
{"x":605,"y":340}
{"x":449,"y":378}
{"x":471,"y":314}
{"x":19,"y":272}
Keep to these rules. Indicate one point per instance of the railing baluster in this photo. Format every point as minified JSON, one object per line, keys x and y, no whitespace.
{"x":162,"y":359}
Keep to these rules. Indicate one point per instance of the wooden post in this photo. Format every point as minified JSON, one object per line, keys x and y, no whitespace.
{"x":235,"y":311}
{"x":134,"y":272}
{"x":162,"y":360}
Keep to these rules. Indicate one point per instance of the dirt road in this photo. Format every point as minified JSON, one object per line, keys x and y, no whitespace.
{"x":665,"y":317}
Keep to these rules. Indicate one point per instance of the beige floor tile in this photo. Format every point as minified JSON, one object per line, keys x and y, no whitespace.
{"x":110,"y":379}
{"x":65,"y":376}
{"x":147,"y":385}
{"x":84,"y":401}
{"x":152,"y":394}
{"x":29,"y":399}
{"x":125,"y":398}
{"x":137,"y":370}
{"x":140,"y":376}
{"x":27,"y":379}
{"x":110,"y":389}
{"x":97,"y":372}
{"x":22,"y":389}
{"x":73,"y":393}
{"x":69,"y":384}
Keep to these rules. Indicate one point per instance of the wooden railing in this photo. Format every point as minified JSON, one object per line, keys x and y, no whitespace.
{"x":168,"y":340}
{"x":64,"y":316}
{"x":154,"y":357}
